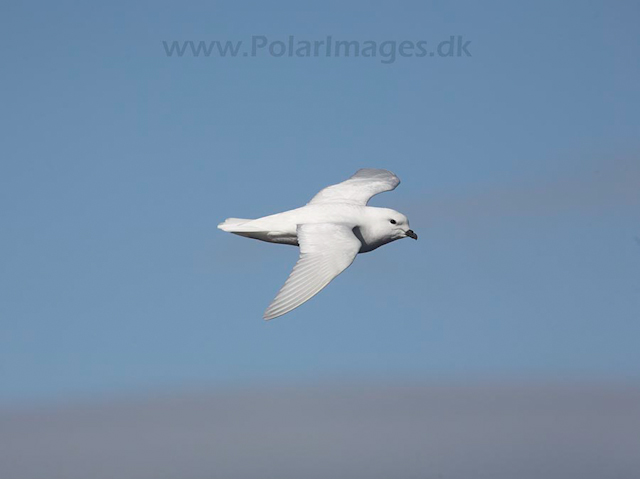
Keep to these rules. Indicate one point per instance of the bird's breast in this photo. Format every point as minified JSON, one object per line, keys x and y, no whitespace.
{"x":369,"y":242}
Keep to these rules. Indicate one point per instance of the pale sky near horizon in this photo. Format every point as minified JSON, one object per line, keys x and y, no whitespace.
{"x":520,"y":173}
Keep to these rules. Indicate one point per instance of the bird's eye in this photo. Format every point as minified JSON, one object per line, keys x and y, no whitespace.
{"x":393,"y":222}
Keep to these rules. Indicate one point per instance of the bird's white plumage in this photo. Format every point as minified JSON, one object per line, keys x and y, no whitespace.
{"x":331,"y":230}
{"x":364,"y":184}
{"x":326,"y":250}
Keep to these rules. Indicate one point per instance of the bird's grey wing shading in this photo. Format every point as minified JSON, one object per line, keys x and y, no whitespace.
{"x":358,"y":189}
{"x":326,"y":250}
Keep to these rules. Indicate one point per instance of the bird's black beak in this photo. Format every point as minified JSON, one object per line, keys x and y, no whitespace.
{"x":411,"y":234}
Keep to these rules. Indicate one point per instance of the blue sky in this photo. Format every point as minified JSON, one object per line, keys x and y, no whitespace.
{"x":519,"y":170}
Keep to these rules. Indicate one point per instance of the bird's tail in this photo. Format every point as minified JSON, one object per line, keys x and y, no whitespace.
{"x":233,"y":225}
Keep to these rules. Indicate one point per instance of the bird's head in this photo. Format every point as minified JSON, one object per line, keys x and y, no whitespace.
{"x":387,"y":225}
{"x":398,"y":225}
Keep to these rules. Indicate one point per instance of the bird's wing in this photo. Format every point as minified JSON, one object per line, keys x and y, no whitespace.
{"x":326,"y":250}
{"x":358,"y":189}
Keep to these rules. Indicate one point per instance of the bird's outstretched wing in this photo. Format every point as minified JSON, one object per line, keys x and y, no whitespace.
{"x":326,"y":250}
{"x":358,"y":189}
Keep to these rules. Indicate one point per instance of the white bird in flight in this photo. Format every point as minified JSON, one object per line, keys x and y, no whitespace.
{"x":331,"y":230}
